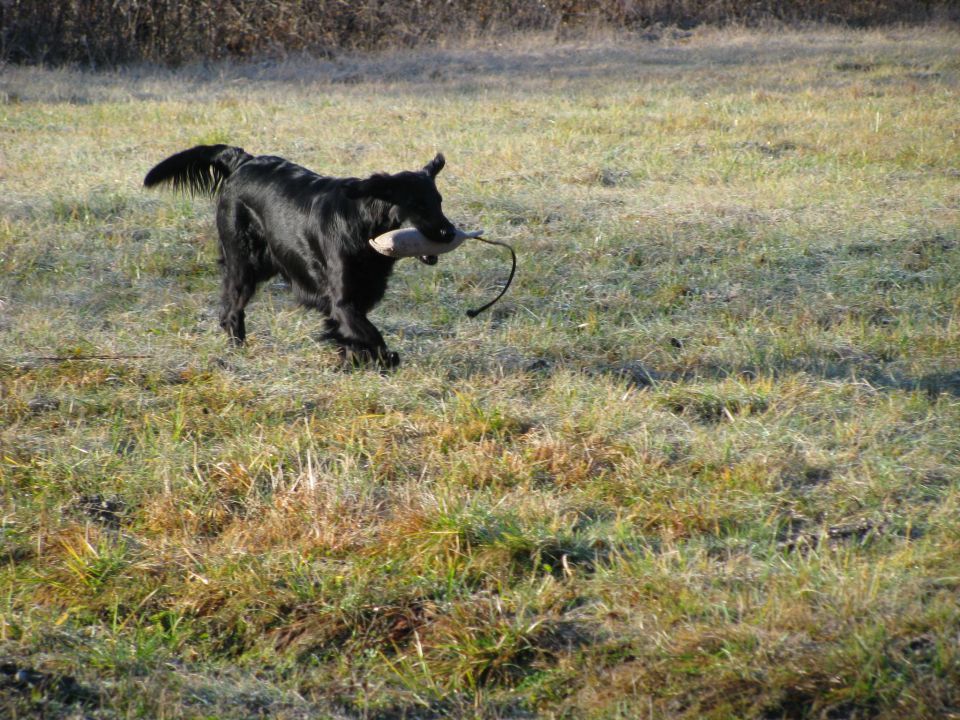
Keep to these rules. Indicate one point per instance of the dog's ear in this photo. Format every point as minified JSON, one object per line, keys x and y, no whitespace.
{"x":433,"y":167}
{"x":375,"y":186}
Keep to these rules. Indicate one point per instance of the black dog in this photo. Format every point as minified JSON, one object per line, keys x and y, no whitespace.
{"x":276,"y":217}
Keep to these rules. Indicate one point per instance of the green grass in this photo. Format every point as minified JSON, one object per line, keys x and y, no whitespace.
{"x":701,"y":462}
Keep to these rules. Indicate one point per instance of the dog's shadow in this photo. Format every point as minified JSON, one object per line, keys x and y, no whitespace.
{"x":940,"y":383}
{"x":638,"y":375}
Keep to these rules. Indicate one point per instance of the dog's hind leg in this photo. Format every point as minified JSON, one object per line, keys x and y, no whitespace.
{"x":236,"y":294}
{"x":245,"y":264}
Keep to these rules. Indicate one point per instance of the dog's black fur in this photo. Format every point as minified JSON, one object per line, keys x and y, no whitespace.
{"x":276,"y":217}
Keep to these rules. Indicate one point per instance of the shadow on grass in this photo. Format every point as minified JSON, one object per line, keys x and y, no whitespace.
{"x":940,"y":383}
{"x":639,"y":376}
{"x":27,"y":690}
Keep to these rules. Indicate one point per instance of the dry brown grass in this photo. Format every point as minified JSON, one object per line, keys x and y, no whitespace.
{"x":174,"y":32}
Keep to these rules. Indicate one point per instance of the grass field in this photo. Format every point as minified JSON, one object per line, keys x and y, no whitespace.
{"x":701,"y":462}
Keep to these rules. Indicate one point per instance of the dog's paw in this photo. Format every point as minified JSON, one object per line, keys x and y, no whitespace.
{"x":356,"y":358}
{"x":390,"y":360}
{"x":387,"y":360}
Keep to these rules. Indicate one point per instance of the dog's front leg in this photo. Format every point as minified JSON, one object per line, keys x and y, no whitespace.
{"x":360,"y":337}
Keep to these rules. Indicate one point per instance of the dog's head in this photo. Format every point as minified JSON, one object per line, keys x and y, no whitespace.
{"x":415,"y":196}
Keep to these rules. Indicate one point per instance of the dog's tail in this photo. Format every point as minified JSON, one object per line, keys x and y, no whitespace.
{"x":201,"y":169}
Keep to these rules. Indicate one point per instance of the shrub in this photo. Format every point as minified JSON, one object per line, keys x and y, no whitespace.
{"x":93,"y":32}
